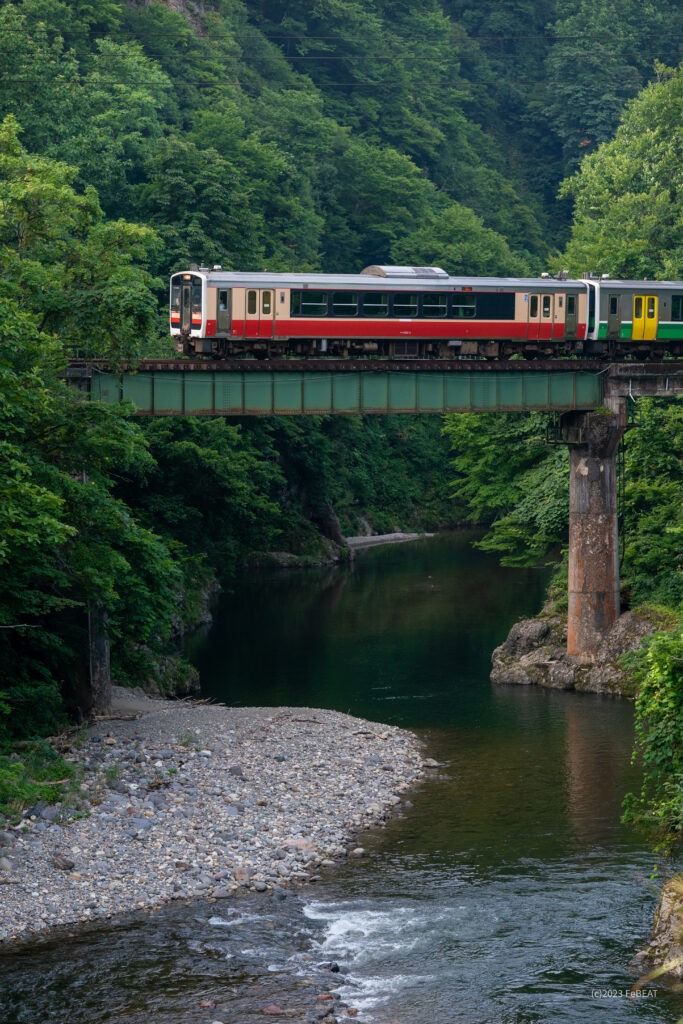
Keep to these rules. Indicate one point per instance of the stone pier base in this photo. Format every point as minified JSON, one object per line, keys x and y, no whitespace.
{"x":593,"y":534}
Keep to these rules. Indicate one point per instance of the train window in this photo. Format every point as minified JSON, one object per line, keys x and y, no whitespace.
{"x":495,"y":305}
{"x":223,"y":300}
{"x":613,"y":305}
{"x":434,"y":304}
{"x":533,"y":305}
{"x":309,"y":303}
{"x":650,"y":307}
{"x":405,"y":305}
{"x":266,"y":303}
{"x":344,"y":303}
{"x":546,"y":305}
{"x":251,"y":303}
{"x":560,"y":301}
{"x":464,"y":305}
{"x":677,"y":307}
{"x":197,"y":298}
{"x":571,"y":305}
{"x":638,"y":308}
{"x":375,"y":304}
{"x":175,"y":298}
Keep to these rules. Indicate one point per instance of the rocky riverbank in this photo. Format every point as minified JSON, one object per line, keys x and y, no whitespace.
{"x":179,"y":800}
{"x":666,"y":944}
{"x":535,"y":653}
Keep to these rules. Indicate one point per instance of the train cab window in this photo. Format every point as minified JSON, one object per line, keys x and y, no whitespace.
{"x":405,"y":305}
{"x":175,"y":297}
{"x":223,"y":300}
{"x":571,"y":305}
{"x":651,"y":307}
{"x":677,"y":307}
{"x":375,"y":304}
{"x":638,"y":308}
{"x":464,"y":305}
{"x":546,"y":305}
{"x":267,"y":303}
{"x":533,"y":305}
{"x":251,"y":303}
{"x":434,"y":304}
{"x":197,"y":299}
{"x":344,"y":303}
{"x":613,"y":305}
{"x":309,"y":303}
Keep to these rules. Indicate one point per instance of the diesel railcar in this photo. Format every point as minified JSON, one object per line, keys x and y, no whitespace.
{"x":421,"y":312}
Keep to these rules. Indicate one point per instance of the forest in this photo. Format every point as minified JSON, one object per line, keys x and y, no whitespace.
{"x":138,"y":137}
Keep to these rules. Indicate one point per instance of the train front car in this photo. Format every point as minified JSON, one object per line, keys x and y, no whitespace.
{"x":188,"y":314}
{"x":421,"y":312}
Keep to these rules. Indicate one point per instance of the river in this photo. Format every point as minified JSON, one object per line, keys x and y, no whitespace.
{"x":505,"y":892}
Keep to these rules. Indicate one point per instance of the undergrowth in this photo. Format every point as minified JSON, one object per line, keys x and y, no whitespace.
{"x":34,"y":774}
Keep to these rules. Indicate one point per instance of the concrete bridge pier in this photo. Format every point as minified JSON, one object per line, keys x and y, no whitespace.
{"x":593,"y":439}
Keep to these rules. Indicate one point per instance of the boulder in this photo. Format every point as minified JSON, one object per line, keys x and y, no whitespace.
{"x":525,"y":636}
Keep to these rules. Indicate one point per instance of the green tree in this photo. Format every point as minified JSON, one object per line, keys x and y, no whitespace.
{"x":456,"y":239}
{"x":82,"y":275}
{"x":67,"y":542}
{"x":628,"y":218}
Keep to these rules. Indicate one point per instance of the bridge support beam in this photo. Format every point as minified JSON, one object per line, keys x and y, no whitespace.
{"x":593,"y":439}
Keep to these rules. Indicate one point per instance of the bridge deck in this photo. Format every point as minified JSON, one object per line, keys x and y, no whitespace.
{"x":343,"y":387}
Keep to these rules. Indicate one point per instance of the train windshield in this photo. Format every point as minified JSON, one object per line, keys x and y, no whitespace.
{"x":175,"y":297}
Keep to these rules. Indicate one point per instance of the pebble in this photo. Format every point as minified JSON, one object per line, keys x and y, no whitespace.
{"x":160,"y":821}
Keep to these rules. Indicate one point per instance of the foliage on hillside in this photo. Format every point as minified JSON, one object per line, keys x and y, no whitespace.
{"x":629,"y":194}
{"x":292,"y":136}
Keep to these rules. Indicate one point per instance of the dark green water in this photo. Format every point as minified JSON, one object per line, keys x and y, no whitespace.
{"x":507,"y":894}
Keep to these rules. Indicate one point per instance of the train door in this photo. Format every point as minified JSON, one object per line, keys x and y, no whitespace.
{"x":571,"y":318}
{"x":186,"y":306}
{"x":651,"y":317}
{"x":260,"y":313}
{"x":547,"y":316}
{"x":223,"y":311}
{"x":267,"y":314}
{"x":534,"y":326}
{"x":645,"y":317}
{"x":613,"y":316}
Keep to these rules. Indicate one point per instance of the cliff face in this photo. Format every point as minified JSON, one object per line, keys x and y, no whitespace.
{"x":535,"y":653}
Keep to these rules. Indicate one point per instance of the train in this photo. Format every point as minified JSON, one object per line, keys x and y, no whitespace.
{"x":421,"y":313}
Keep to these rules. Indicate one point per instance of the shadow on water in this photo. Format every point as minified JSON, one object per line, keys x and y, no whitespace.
{"x":506,"y":893}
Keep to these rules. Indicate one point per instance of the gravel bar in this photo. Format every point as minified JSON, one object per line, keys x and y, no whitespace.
{"x":181,"y":800}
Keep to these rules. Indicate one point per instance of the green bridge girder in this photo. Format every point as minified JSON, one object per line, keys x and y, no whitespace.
{"x":204,"y":390}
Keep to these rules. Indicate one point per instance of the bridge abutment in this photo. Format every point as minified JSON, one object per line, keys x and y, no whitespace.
{"x":593,"y":439}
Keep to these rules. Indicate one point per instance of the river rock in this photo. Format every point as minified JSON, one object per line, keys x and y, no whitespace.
{"x":6,"y":839}
{"x":62,"y":862}
{"x":526,"y":635}
{"x":242,"y":874}
{"x":535,"y":653}
{"x":666,"y":944}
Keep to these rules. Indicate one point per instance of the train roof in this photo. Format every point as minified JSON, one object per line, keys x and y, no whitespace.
{"x":406,"y":279}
